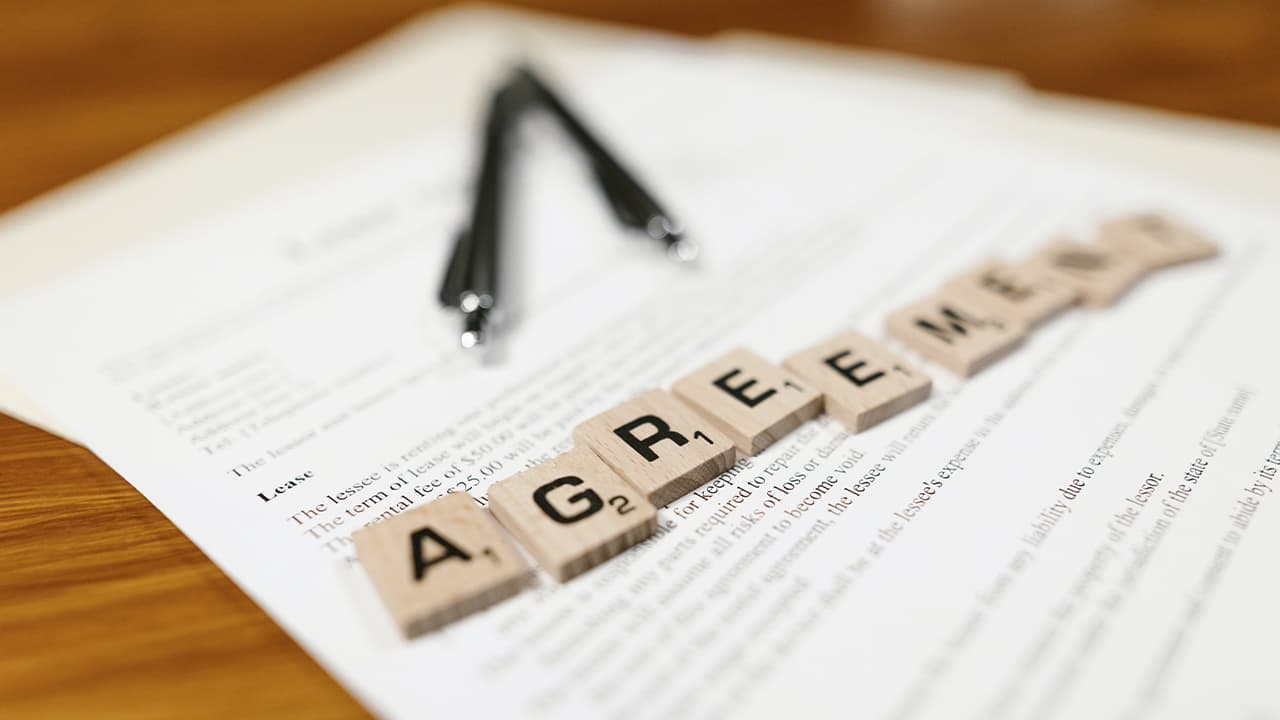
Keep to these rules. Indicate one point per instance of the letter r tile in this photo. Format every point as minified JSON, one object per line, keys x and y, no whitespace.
{"x":657,"y":444}
{"x":572,"y":512}
{"x":864,"y":384}
{"x":438,"y":562}
{"x":749,"y":399}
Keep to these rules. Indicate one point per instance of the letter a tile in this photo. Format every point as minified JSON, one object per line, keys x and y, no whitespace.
{"x":1021,"y":294}
{"x":955,"y":332}
{"x":1099,"y":273}
{"x":864,"y":384}
{"x":749,"y":399}
{"x":572,"y":512}
{"x":658,"y":444}
{"x":1156,"y":240}
{"x":439,"y":562}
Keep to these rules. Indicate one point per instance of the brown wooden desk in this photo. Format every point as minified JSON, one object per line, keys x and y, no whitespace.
{"x":105,"y":608}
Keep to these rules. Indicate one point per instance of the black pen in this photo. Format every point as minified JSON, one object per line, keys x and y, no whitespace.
{"x":472,"y":276}
{"x":633,"y":205}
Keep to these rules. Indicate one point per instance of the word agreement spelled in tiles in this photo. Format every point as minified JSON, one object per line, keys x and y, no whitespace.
{"x":572,"y":512}
{"x":436,"y":563}
{"x":658,"y":444}
{"x":955,"y":332}
{"x":862,"y":382}
{"x":749,"y":399}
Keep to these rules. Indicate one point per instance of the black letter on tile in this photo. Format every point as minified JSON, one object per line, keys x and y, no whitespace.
{"x":589,"y":496}
{"x":739,"y":392}
{"x":662,"y":431}
{"x":420,"y":560}
{"x":952,"y":324}
{"x":849,"y":370}
{"x":1005,"y":287}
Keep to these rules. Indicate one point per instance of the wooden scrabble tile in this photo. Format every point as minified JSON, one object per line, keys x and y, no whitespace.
{"x":862,"y":382}
{"x":659,"y":445}
{"x":749,"y":399}
{"x":1156,"y":240}
{"x":1099,"y":273}
{"x":955,"y":332}
{"x":572,"y":512}
{"x":1025,"y":295}
{"x":439,"y":562}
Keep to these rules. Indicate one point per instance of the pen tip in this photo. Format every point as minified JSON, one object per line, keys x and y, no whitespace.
{"x":683,"y":250}
{"x":471,"y":338}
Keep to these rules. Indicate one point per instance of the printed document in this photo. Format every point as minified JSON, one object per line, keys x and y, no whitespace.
{"x":1083,"y":530}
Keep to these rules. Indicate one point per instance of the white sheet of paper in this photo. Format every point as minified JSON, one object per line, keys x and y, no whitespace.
{"x":301,"y":337}
{"x":429,"y":76}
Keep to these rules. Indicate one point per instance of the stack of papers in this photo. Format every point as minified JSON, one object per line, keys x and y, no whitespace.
{"x":241,"y":322}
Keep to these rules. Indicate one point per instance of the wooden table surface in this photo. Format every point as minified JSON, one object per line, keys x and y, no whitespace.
{"x":105,"y":608}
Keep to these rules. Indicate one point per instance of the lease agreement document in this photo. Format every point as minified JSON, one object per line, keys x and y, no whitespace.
{"x":1084,"y":530}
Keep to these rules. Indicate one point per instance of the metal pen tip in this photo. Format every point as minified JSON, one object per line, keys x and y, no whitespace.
{"x":471,"y":339}
{"x":683,"y":250}
{"x":661,"y":227}
{"x":473,"y":328}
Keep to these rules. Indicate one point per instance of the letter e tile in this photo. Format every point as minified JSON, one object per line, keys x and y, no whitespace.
{"x":863,"y":383}
{"x":749,"y":399}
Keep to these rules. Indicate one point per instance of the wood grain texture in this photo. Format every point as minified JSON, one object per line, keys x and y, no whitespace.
{"x":83,"y":82}
{"x":105,"y":608}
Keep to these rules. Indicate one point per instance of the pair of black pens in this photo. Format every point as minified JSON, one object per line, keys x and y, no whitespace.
{"x":471,"y":277}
